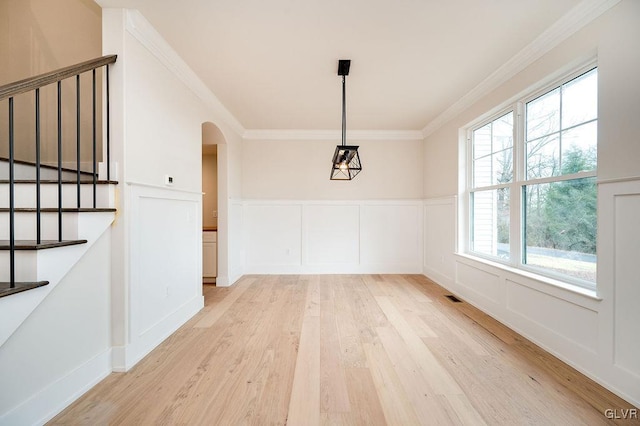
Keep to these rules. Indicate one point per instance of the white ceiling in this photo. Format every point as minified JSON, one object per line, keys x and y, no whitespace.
{"x":273,"y":63}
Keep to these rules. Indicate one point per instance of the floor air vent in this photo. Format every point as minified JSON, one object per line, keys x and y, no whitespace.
{"x":453,"y":298}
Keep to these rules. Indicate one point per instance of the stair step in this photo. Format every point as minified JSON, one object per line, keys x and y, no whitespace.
{"x":6,"y":290}
{"x":55,"y":210}
{"x":26,"y":225}
{"x":44,"y":244}
{"x":26,"y":194}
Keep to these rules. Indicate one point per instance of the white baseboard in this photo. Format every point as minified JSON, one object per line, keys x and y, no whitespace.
{"x":234,"y":279}
{"x":50,"y":401}
{"x":125,"y":357}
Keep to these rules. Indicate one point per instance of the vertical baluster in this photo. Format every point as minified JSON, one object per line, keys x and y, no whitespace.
{"x":108,"y":129}
{"x":59,"y":161}
{"x":94,"y":138}
{"x":12,"y":236}
{"x":38,"y":195}
{"x":78,"y":137}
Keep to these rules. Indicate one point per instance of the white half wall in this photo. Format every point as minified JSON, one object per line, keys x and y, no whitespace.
{"x":300,"y":237}
{"x":166,"y":268}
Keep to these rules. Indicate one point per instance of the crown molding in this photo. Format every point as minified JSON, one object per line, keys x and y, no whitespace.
{"x":143,"y":31}
{"x":570,"y":23}
{"x":324,"y":135}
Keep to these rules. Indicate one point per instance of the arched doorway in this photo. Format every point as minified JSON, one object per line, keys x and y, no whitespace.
{"x":214,"y":205}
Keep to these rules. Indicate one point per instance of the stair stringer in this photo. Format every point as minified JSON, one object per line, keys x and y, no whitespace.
{"x":52,"y":265}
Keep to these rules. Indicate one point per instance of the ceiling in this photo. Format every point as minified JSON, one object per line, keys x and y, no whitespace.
{"x":273,"y":64}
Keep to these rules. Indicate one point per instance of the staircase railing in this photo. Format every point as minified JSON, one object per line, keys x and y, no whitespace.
{"x":34,"y":84}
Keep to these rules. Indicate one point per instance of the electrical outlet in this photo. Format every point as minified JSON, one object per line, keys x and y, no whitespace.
{"x":215,"y":213}
{"x":168,"y":180}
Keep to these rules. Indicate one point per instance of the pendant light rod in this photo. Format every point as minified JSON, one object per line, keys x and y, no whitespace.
{"x":344,"y":111}
{"x":343,"y":69}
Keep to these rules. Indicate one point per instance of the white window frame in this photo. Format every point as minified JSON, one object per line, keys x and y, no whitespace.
{"x":519,"y":181}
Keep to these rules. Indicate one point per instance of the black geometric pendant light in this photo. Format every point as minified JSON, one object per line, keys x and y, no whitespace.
{"x":346,"y":161}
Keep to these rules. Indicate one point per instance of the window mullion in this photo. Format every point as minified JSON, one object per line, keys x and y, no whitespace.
{"x":467,"y":201}
{"x":561,"y":178}
{"x":519,"y":152}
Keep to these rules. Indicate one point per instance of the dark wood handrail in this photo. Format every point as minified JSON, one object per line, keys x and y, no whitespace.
{"x":32,"y":83}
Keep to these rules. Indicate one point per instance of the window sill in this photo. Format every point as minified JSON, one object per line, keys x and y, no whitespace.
{"x":547,"y":281}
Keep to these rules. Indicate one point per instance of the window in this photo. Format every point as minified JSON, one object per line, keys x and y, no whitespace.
{"x":492,"y":174}
{"x":532,"y":182}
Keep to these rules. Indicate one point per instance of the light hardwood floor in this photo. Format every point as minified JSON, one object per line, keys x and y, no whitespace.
{"x":344,"y":349}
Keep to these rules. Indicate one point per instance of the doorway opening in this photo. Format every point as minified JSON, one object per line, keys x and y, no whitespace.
{"x":213,"y":210}
{"x":209,"y":213}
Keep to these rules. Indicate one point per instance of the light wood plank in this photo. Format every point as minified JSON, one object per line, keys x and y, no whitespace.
{"x":348,"y":350}
{"x":365,"y":405}
{"x":304,"y":405}
{"x":396,"y":406}
{"x":215,"y":314}
{"x":351,"y":350}
{"x":415,"y":383}
{"x":427,"y":364}
{"x":334,"y":397}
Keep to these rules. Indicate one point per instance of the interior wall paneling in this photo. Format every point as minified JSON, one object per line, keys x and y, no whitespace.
{"x":166,"y":268}
{"x":328,"y":237}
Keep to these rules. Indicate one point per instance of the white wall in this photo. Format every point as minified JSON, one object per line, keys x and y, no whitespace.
{"x":63,"y":348}
{"x":300,"y":169}
{"x":598,"y":336}
{"x":230,"y":259}
{"x":159,"y":107}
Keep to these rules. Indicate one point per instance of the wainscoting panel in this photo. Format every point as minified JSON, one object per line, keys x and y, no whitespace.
{"x":391,"y":235}
{"x":273,"y":235}
{"x":627,"y":274}
{"x":166,"y":267}
{"x":485,"y":285}
{"x":573,"y":322}
{"x":168,"y":259}
{"x":331,"y":236}
{"x":236,"y":241}
{"x":440,"y":238}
